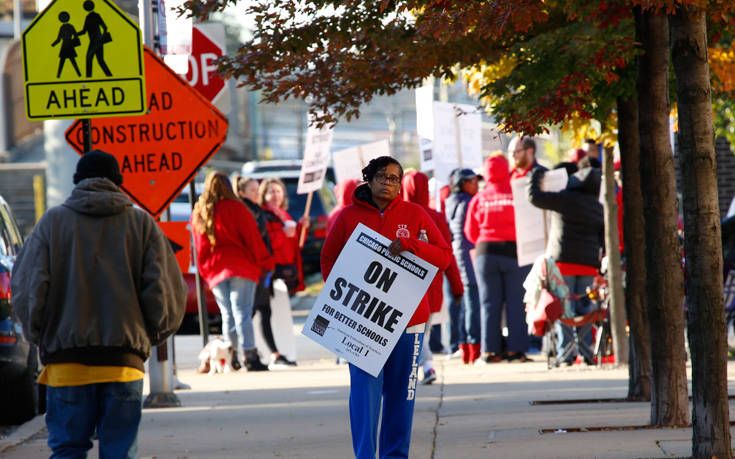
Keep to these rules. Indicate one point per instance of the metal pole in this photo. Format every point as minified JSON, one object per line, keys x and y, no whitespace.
{"x":201,"y":300}
{"x":160,"y":365}
{"x":87,"y":134}
{"x":17,"y":18}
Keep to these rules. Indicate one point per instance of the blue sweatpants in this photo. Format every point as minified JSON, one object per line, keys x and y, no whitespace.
{"x":395,"y":387}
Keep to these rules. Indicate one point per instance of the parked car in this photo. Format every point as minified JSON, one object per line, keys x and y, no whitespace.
{"x":21,"y":397}
{"x":322,"y":203}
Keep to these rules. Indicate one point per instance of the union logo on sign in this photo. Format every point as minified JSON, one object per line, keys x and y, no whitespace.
{"x":68,"y":64}
{"x":161,"y":151}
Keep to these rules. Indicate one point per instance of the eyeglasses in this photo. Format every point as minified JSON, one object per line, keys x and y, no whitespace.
{"x":387,"y":179}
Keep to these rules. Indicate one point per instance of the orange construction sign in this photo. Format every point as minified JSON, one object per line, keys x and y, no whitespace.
{"x":179,"y":237}
{"x":159,"y":152}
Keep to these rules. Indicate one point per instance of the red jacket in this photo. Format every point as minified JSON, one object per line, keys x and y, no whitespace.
{"x":239,"y":249}
{"x":415,"y":188}
{"x":343,"y":192}
{"x":409,"y":216}
{"x":286,"y":250}
{"x":490,"y":214}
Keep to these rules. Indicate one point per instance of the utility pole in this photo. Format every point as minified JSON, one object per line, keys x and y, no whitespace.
{"x":160,"y":365}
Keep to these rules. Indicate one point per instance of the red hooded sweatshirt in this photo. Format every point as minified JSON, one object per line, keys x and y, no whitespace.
{"x":415,"y":188}
{"x":490,"y":215}
{"x":239,"y":250}
{"x":399,"y":217}
{"x":343,"y":192}
{"x":286,"y":250}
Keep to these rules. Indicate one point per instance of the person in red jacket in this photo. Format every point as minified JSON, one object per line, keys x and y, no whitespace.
{"x":231,"y":257}
{"x":415,"y":188}
{"x":343,"y":191}
{"x":283,"y":231}
{"x":377,"y":204}
{"x":490,"y":225}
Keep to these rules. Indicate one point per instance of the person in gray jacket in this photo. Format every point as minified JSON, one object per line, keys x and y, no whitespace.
{"x":95,"y":286}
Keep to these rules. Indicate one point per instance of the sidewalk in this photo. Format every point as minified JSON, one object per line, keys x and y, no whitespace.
{"x":469,"y":412}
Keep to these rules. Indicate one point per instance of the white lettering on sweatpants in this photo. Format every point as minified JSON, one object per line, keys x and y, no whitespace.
{"x":414,"y":376}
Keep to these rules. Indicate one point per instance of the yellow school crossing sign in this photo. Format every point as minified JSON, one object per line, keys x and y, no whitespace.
{"x":83,"y":59}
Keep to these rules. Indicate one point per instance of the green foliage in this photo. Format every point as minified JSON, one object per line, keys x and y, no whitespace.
{"x":724,"y":117}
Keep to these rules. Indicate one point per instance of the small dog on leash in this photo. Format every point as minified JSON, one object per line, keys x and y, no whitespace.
{"x":216,"y":355}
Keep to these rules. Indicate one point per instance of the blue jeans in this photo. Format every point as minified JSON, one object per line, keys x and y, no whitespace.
{"x":74,"y":412}
{"x":577,"y":285}
{"x":456,"y":317}
{"x":395,"y":389}
{"x":500,"y":281}
{"x":471,"y":314}
{"x":235,"y":297}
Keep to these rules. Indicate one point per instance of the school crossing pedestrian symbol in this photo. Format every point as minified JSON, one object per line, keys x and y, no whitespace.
{"x":83,"y":59}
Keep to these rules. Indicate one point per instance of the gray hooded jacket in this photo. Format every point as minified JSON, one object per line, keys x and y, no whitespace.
{"x":97,"y":282}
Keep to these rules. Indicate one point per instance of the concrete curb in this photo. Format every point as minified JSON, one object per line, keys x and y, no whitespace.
{"x":23,"y":433}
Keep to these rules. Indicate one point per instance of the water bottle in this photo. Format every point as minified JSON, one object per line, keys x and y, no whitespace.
{"x":423,"y":236}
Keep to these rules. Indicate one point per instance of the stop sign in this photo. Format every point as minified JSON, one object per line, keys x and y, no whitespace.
{"x":201,"y":74}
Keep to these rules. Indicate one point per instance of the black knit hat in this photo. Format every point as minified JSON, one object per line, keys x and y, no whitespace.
{"x":459,"y":176}
{"x":98,"y":163}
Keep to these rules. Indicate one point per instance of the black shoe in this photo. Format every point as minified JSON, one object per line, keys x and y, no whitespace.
{"x":282,"y":362}
{"x":252,"y":361}
{"x":518,"y":356}
{"x":234,"y":362}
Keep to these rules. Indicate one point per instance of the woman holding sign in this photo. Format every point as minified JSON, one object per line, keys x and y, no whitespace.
{"x":378,"y":205}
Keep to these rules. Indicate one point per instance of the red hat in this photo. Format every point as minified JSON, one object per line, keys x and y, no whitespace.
{"x":577,"y":155}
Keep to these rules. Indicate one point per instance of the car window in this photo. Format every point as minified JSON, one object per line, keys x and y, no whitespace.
{"x":10,"y":238}
{"x":297,"y":202}
{"x":328,"y":199}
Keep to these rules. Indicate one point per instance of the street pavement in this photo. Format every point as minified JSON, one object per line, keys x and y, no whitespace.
{"x":470,"y":411}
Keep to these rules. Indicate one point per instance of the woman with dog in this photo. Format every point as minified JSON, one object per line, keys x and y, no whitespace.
{"x":231,"y":257}
{"x":378,"y":205}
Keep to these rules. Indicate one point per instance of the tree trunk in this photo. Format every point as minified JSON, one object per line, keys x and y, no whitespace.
{"x":614,"y":272}
{"x":702,"y":243}
{"x":665,"y":282}
{"x":639,"y":365}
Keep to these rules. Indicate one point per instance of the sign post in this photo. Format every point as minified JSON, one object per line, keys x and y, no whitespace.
{"x":159,"y":153}
{"x":367,"y":300}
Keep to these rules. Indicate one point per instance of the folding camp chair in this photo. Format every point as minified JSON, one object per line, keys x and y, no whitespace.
{"x":598,"y":318}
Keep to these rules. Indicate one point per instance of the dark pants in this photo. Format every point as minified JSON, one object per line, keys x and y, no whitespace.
{"x":73,"y":413}
{"x":263,"y":306}
{"x":581,"y":335}
{"x":471,"y":314}
{"x":500,"y":282}
{"x":457,"y":334}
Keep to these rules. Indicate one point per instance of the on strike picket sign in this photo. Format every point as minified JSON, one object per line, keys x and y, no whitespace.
{"x":367,"y":300}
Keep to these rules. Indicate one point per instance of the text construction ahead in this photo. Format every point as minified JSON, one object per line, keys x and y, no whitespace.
{"x":161,"y":151}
